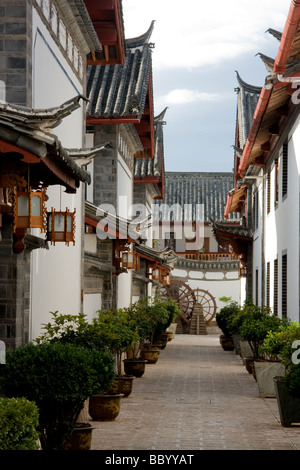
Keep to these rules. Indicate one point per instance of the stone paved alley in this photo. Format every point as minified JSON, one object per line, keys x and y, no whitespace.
{"x":196,"y":397}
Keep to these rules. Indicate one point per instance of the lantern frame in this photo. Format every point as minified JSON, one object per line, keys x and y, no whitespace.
{"x":67,"y":234}
{"x":130,"y":260}
{"x":30,"y":219}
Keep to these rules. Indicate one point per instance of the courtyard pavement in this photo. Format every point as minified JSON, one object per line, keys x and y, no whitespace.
{"x":196,"y":397}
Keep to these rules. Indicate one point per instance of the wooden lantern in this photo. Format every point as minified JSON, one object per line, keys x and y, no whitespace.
{"x":130,"y":260}
{"x":61,"y":226}
{"x":30,"y":209}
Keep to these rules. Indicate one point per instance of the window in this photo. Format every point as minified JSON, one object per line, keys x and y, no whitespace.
{"x":268,"y":192}
{"x":276,"y":189}
{"x":284,"y":286}
{"x":275,"y":299}
{"x":255,"y":210}
{"x":268,"y":285}
{"x":284,"y":169}
{"x":256,"y":286}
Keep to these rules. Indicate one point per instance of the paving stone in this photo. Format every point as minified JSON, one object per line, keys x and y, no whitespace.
{"x":196,"y":397}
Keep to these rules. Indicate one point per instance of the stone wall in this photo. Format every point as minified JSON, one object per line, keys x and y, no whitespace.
{"x":14,"y":292}
{"x":16,"y":50}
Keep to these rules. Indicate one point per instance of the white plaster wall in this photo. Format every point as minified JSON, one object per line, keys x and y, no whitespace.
{"x":56,"y":273}
{"x":282,"y":228}
{"x":124,"y":200}
{"x":91,"y":304}
{"x":287,"y":222}
{"x":257,"y":245}
{"x":218,"y":284}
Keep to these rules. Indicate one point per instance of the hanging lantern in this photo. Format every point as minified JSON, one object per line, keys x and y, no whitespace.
{"x":61,"y":226}
{"x":166,"y":279}
{"x":243,"y":271}
{"x":30,"y":209}
{"x":156,"y":274}
{"x":130,"y":260}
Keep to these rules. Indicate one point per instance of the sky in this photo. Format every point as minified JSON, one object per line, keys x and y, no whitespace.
{"x":199,"y":46}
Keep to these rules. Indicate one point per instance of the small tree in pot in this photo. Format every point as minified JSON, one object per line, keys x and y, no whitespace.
{"x":118,"y":332}
{"x":58,"y":378}
{"x":224,"y":319}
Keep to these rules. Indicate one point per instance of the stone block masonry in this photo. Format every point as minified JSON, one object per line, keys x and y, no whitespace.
{"x":16,"y":50}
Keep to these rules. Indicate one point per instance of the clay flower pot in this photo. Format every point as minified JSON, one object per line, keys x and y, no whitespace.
{"x":122,"y":384}
{"x":135,"y":366}
{"x":150,"y":355}
{"x":105,"y":407}
{"x":81,"y":437}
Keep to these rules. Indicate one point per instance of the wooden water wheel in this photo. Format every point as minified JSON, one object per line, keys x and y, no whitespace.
{"x":201,"y":297}
{"x":178,"y":290}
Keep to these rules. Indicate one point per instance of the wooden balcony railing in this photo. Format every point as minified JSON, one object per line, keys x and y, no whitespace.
{"x":210,"y":256}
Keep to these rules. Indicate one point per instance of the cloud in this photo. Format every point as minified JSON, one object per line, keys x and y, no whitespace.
{"x":201,"y":33}
{"x":185,"y":96}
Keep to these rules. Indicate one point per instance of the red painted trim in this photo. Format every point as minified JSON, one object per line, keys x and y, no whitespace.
{"x":28,"y":157}
{"x":288,"y":37}
{"x":118,"y":120}
{"x":228,"y":206}
{"x":257,"y":119}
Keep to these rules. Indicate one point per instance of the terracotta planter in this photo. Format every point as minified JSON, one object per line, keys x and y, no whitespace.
{"x":150,"y":355}
{"x":226,"y":343}
{"x":122,"y":384}
{"x":81,"y":437}
{"x":105,"y":407}
{"x":135,"y":366}
{"x":170,"y":335}
{"x":288,"y":405}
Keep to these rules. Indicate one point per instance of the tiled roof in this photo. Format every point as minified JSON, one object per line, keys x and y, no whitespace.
{"x":31,"y":130}
{"x":247,"y":98}
{"x":153,"y":167}
{"x":76,"y":9}
{"x":121,"y":90}
{"x":190,"y":190}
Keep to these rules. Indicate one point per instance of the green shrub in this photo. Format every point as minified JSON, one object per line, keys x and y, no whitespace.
{"x":58,"y":378}
{"x":292,"y":380}
{"x":253,"y":323}
{"x":225,"y":317}
{"x":18,"y":423}
{"x":116,"y":331}
{"x":277,"y":344}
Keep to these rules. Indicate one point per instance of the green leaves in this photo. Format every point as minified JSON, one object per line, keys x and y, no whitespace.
{"x":58,"y":378}
{"x":18,"y":423}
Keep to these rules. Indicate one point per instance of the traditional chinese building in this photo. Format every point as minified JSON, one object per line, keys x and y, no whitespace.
{"x":267,"y":180}
{"x":126,"y":177}
{"x":46,"y":47}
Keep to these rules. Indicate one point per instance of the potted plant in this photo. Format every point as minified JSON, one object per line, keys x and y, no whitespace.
{"x":118,"y":332}
{"x":287,"y":386}
{"x":135,"y":364}
{"x":158,"y":316}
{"x":272,"y":349}
{"x":58,"y":378}
{"x":173,"y":311}
{"x":19,"y":420}
{"x":224,"y":321}
{"x":257,"y":322}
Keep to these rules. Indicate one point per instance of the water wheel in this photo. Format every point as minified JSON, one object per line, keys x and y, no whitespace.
{"x":178,"y":290}
{"x":203,"y":298}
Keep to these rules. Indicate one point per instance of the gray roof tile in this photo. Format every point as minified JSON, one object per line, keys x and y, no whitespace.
{"x":121,"y":90}
{"x":189,"y":190}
